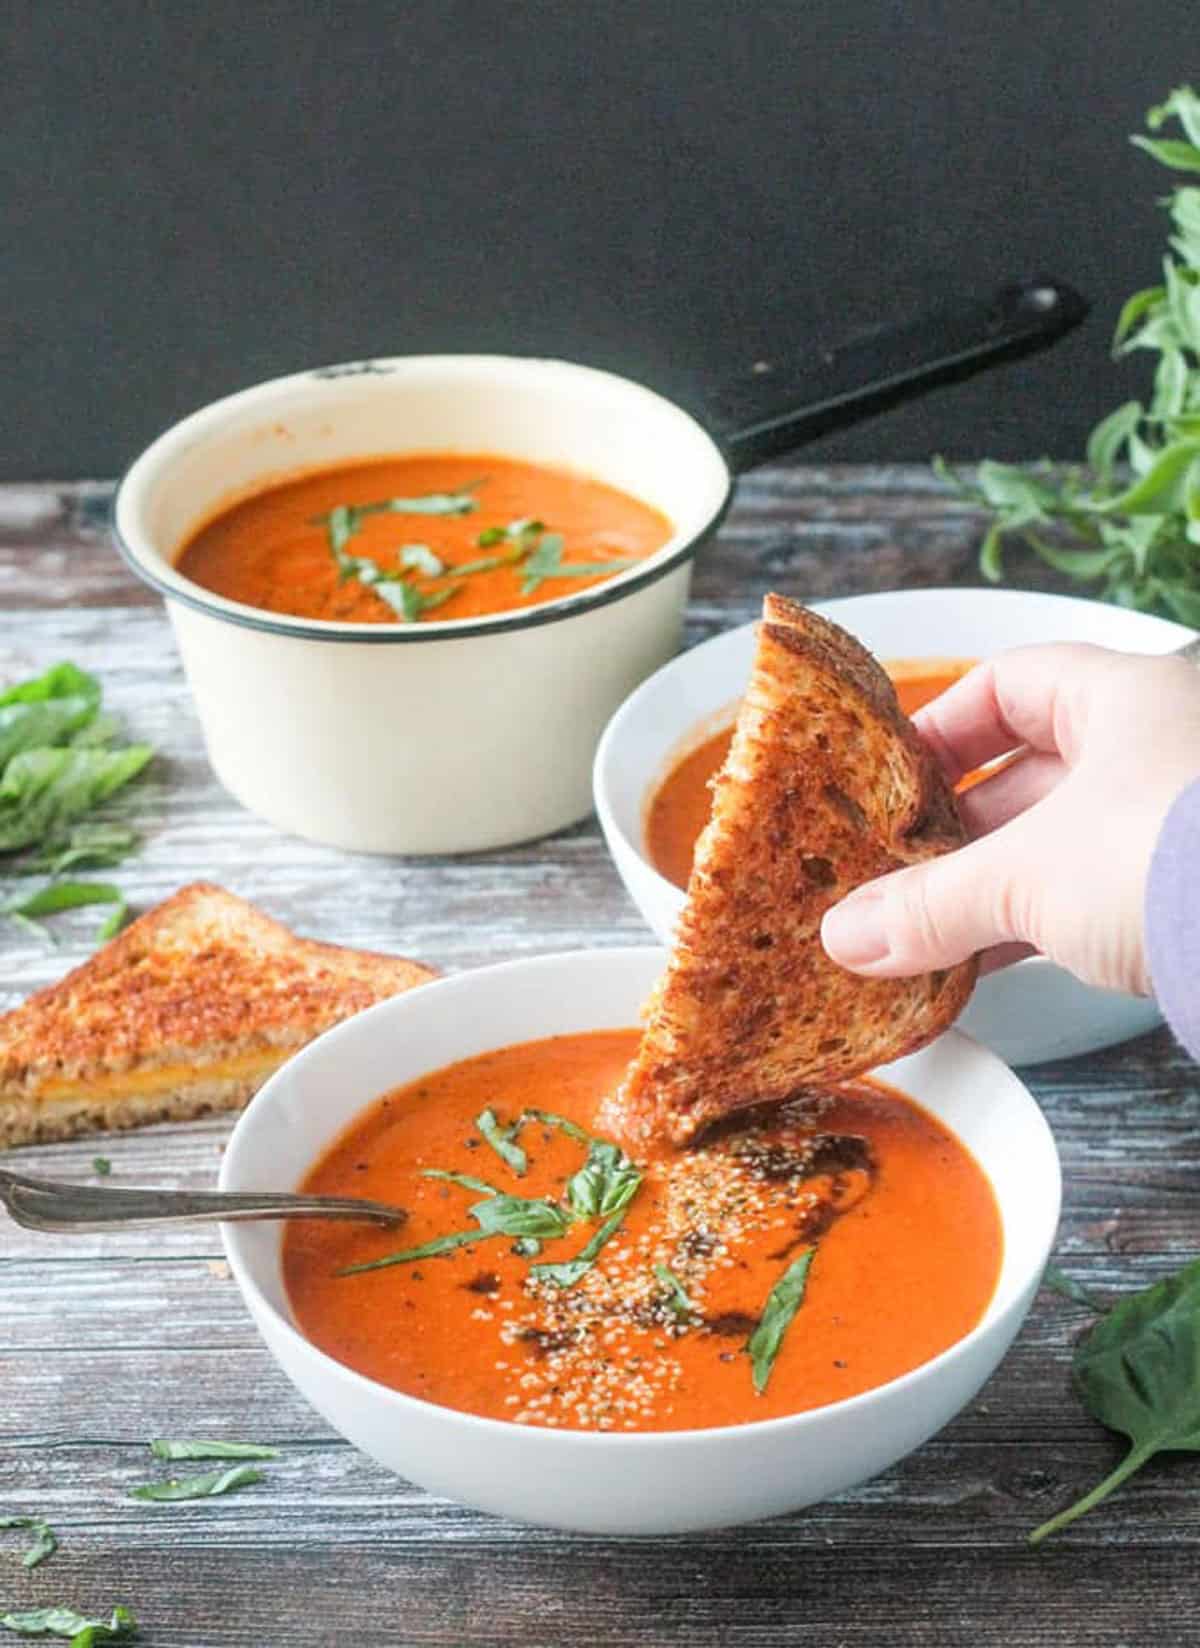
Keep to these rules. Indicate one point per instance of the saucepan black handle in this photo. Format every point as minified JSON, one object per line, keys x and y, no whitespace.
{"x":782,"y":404}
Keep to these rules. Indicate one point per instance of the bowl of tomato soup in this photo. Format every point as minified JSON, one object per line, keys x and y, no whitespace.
{"x":564,"y":1334}
{"x":653,"y":764}
{"x":408,"y":593}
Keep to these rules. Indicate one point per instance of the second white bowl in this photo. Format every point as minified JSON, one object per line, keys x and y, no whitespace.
{"x":1026,"y":1013}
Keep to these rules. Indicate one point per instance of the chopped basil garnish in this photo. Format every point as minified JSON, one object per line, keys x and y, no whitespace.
{"x":501,"y":1140}
{"x":408,"y":602}
{"x":463,"y":1179}
{"x":427,"y":1250}
{"x":206,"y":1486}
{"x":549,"y":1118}
{"x":211,"y":1450}
{"x":422,"y":559}
{"x":569,"y":1271}
{"x":520,"y":1216}
{"x":65,"y":1622}
{"x":677,"y":1298}
{"x":44,"y":1542}
{"x":783,"y":1302}
{"x":546,"y":562}
{"x":604,"y":1184}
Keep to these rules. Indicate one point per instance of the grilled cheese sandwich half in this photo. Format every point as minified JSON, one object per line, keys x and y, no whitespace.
{"x":187,"y":1012}
{"x":826,"y":785}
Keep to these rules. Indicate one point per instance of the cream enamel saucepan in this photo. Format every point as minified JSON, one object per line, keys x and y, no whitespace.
{"x":458,"y":736}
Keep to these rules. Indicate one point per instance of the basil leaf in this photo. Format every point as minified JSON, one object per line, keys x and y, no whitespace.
{"x":783,"y":1302}
{"x":65,"y":1622}
{"x":677,"y":1298}
{"x":100,"y":845}
{"x":427,"y":1250}
{"x":212,"y":1450}
{"x":44,"y":1541}
{"x":1057,"y":1281}
{"x":1135,"y":1372}
{"x":65,"y":680}
{"x":606,"y":1182}
{"x":63,"y":895}
{"x":520,"y":1216}
{"x":112,"y":924}
{"x":423,"y":559}
{"x":569,"y":1271}
{"x":488,"y":563}
{"x":463,"y":1179}
{"x":44,"y":789}
{"x":207,"y":1486}
{"x":102,"y":1166}
{"x":1184,"y":157}
{"x":429,"y":503}
{"x":502,"y":1140}
{"x":550,"y":1118}
{"x":42,"y":722}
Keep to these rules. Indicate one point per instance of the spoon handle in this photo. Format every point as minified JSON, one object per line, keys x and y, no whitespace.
{"x":47,"y":1204}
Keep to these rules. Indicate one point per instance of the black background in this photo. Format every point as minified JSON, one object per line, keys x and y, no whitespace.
{"x":204,"y":195}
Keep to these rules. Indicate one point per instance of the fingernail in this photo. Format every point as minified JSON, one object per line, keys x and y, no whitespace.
{"x":852,"y":932}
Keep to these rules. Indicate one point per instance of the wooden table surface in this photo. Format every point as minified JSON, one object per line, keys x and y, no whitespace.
{"x":107,"y":1341}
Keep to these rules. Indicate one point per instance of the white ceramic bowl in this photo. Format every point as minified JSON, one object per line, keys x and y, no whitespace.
{"x":620,"y":1484}
{"x":1026,"y":1013}
{"x":450,"y":736}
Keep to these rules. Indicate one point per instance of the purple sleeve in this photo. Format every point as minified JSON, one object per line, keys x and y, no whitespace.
{"x":1173,"y":919}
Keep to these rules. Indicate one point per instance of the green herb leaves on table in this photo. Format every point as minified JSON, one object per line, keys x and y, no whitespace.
{"x":58,"y":761}
{"x":1128,"y":522}
{"x":81,"y":1631}
{"x":1138,"y":1371}
{"x":44,"y":1542}
{"x":197,"y":1449}
{"x":783,"y":1302}
{"x":208,"y":1485}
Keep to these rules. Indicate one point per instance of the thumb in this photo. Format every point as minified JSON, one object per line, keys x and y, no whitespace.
{"x":934,"y":914}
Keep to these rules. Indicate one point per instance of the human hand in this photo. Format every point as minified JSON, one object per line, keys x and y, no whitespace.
{"x":1061,"y":838}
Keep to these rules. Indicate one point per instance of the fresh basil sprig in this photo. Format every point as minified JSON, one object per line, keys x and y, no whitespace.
{"x":198,"y":1449}
{"x":44,"y":1543}
{"x":520,"y":1216}
{"x":1136,"y":1372}
{"x":426,"y":1250}
{"x":677,"y":1299}
{"x":605,"y":1183}
{"x":546,"y":562}
{"x":1128,"y":522}
{"x":783,"y":1302}
{"x":65,"y":1622}
{"x":466,"y":1180}
{"x":503,"y":1140}
{"x":206,"y":1486}
{"x":567,"y":1272}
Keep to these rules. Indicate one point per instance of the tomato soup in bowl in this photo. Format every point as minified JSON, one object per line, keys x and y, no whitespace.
{"x":677,"y":809}
{"x":563,"y":1334}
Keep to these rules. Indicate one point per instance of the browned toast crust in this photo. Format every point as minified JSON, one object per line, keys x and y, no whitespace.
{"x":187,"y":1011}
{"x":826,"y":785}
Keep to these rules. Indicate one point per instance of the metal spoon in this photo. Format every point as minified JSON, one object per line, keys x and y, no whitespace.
{"x":48,"y":1204}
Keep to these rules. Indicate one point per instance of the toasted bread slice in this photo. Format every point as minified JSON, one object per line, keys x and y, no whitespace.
{"x":188,"y":1011}
{"x":826,"y":785}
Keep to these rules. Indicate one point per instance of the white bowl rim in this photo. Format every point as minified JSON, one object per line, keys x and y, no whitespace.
{"x":709,"y":1435}
{"x":174,"y":586}
{"x":615,"y":727}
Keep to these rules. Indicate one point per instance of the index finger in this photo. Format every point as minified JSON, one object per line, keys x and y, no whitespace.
{"x":1027,"y":697}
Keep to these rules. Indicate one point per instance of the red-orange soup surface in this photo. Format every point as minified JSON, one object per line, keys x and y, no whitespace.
{"x":903,"y":1227}
{"x":274,"y":549}
{"x":679,"y":807}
